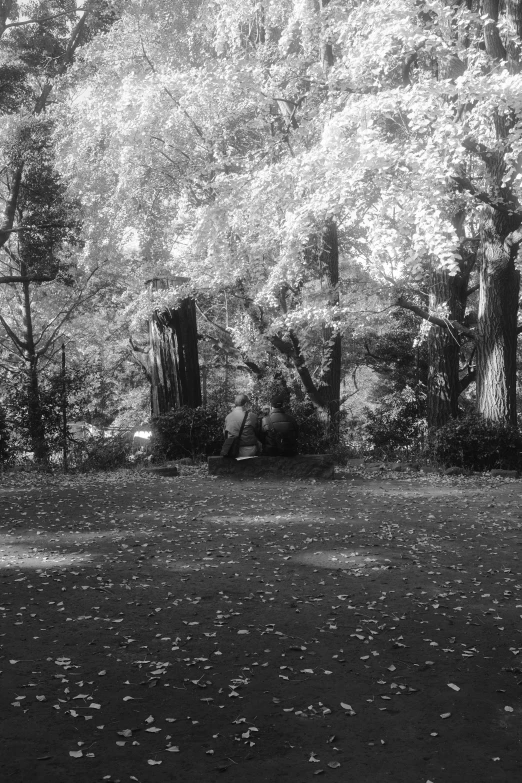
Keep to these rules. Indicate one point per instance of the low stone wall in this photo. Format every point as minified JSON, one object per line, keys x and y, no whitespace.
{"x":302,"y":466}
{"x":168,"y":469}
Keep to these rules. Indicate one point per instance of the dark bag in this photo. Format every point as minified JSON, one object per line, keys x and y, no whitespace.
{"x":284,"y":442}
{"x":230,"y":447}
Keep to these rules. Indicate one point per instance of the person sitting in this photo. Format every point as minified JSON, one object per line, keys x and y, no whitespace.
{"x":279,"y":430}
{"x":249,"y":445}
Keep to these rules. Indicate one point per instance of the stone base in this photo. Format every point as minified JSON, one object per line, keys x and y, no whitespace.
{"x":302,"y":466}
{"x":168,"y":469}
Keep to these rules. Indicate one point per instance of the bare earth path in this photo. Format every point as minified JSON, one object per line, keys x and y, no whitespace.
{"x":196,"y":629}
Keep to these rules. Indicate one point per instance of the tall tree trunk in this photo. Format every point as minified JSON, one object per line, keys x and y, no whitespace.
{"x":174,"y":364}
{"x":35,"y":419}
{"x":444,"y":349}
{"x":331,"y":376}
{"x":497,"y":323}
{"x":329,"y":264}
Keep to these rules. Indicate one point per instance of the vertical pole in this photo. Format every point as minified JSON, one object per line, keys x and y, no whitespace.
{"x":204,"y":383}
{"x":226,"y":354}
{"x":64,"y":410}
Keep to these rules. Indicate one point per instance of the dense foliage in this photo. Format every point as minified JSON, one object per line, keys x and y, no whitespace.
{"x":475,"y":444}
{"x":397,"y":426}
{"x":4,"y":438}
{"x":303,"y":170}
{"x":187,"y":432}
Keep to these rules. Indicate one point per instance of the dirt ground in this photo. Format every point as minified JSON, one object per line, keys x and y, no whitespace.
{"x":200,"y":629}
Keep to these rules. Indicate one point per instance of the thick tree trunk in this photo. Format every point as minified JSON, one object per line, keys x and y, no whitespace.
{"x":34,"y":415}
{"x":174,"y":364}
{"x":497,"y":324}
{"x":444,"y":349}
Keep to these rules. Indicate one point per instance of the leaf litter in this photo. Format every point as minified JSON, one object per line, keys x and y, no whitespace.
{"x":263,"y":601}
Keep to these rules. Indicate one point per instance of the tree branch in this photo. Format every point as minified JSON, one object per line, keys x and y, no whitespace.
{"x":483,"y":152}
{"x":213,"y":323}
{"x":434,"y":319}
{"x":26,"y":279}
{"x":21,"y":345}
{"x":465,"y":184}
{"x":72,"y":45}
{"x":467,"y":380}
{"x":43,"y":20}
{"x":171,"y":96}
{"x":10,"y":207}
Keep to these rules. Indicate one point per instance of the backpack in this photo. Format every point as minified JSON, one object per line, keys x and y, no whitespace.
{"x":284,"y":442}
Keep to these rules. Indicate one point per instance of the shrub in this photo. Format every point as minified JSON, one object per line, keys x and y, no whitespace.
{"x":4,"y":438}
{"x":313,"y":429}
{"x":476,"y":444}
{"x":398,"y":424}
{"x":187,"y":432}
{"x":103,"y":453}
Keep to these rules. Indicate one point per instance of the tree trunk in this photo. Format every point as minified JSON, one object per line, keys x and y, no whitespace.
{"x":34,"y":415}
{"x":331,"y":376}
{"x":444,"y":349}
{"x":497,"y":324}
{"x":35,"y":420}
{"x":174,"y":363}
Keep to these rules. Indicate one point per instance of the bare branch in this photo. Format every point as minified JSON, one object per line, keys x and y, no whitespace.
{"x":213,"y":323}
{"x":21,"y":345}
{"x":26,"y":279}
{"x":42,"y":20}
{"x":169,"y":93}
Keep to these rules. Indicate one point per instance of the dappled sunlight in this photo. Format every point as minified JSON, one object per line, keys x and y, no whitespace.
{"x":20,"y":556}
{"x":342,"y":559}
{"x":415,"y":491}
{"x":259,"y":519}
{"x":55,"y":536}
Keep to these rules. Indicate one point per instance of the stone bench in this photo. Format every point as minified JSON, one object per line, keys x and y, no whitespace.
{"x":167,"y":469}
{"x":302,"y":466}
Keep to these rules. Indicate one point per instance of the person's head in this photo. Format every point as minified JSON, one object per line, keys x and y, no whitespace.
{"x":278,"y":400}
{"x":241,"y":401}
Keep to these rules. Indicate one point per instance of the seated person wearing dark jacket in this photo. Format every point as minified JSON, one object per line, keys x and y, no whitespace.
{"x":279,"y":430}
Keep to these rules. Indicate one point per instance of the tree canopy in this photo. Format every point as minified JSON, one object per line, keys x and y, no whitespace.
{"x":318,"y":161}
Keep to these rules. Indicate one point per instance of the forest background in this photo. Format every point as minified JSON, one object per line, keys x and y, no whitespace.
{"x":208,"y":196}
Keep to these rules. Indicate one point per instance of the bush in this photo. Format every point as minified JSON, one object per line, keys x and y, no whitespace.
{"x":187,"y":432}
{"x":313,"y":429}
{"x":476,"y":444}
{"x":4,"y":438}
{"x":398,"y":424}
{"x":103,"y":453}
